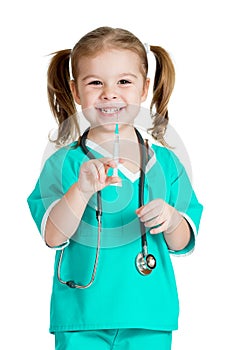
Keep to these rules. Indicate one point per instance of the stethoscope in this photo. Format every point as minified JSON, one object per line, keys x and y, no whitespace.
{"x":144,"y":262}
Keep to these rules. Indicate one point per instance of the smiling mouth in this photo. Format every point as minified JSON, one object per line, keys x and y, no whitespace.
{"x":110,"y":110}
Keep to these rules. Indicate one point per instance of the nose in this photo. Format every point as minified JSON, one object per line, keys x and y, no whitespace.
{"x":109,"y":93}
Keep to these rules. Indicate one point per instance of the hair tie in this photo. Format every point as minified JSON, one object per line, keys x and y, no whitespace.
{"x":70,"y":67}
{"x":147,"y":47}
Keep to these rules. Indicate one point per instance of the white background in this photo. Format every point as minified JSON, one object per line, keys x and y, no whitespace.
{"x":198,"y":35}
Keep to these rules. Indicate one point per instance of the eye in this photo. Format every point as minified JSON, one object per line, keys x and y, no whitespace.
{"x":124,"y":82}
{"x":95,"y":82}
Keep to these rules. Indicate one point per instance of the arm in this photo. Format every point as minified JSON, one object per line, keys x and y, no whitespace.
{"x":178,"y":216}
{"x":66,"y":215}
{"x":180,"y":237}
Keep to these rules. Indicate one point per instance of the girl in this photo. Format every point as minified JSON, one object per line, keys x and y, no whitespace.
{"x":106,"y":295}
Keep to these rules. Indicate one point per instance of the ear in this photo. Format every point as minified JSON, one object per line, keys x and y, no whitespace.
{"x":74,"y":91}
{"x":145,"y":89}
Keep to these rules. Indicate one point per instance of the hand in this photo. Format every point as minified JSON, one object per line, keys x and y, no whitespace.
{"x":159,"y":215}
{"x":93,"y":176}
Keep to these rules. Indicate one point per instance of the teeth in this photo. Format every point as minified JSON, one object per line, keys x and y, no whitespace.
{"x":110,"y":110}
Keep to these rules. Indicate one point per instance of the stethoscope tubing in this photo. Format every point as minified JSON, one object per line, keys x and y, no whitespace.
{"x":143,"y":264}
{"x":71,"y":283}
{"x":141,"y":190}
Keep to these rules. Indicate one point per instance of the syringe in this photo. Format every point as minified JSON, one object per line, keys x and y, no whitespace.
{"x":116,"y":149}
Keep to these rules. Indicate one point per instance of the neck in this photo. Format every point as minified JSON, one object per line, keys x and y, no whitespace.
{"x":102,"y":134}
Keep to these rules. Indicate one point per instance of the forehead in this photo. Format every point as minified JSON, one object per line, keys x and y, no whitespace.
{"x":110,"y":61}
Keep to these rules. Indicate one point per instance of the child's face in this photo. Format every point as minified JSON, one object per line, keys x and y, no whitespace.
{"x":110,"y":86}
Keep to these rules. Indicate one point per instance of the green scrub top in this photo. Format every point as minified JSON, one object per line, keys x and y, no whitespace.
{"x":120,"y":296}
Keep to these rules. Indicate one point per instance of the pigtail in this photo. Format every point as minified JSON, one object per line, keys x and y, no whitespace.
{"x":163,"y":86}
{"x":60,"y":98}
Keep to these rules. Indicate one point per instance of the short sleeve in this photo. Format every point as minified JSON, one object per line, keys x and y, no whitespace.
{"x":57,"y":176}
{"x":183,"y":198}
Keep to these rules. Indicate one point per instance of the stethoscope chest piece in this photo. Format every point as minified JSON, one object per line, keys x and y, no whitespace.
{"x":145,"y":264}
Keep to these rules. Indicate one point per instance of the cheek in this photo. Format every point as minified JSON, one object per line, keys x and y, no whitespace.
{"x":134,"y":97}
{"x":89,"y":114}
{"x":137,"y":92}
{"x":132,"y":112}
{"x":129,"y":93}
{"x":86,"y":99}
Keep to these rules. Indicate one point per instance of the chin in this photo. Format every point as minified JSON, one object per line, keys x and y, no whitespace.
{"x":106,"y":127}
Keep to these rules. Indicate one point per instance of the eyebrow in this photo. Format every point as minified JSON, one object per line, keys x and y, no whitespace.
{"x":97,"y":77}
{"x":129,"y":74}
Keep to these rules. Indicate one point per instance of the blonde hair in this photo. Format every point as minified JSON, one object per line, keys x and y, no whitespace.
{"x":58,"y":84}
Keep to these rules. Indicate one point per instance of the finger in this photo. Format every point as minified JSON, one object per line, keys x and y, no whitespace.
{"x":159,"y":229}
{"x":108,"y":162}
{"x":153,"y":213}
{"x":149,"y":213}
{"x":103,"y":165}
{"x":92,"y":170}
{"x":154,"y":222}
{"x":103,"y":168}
{"x":113,"y":180}
{"x":158,"y":205}
{"x":102,"y":171}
